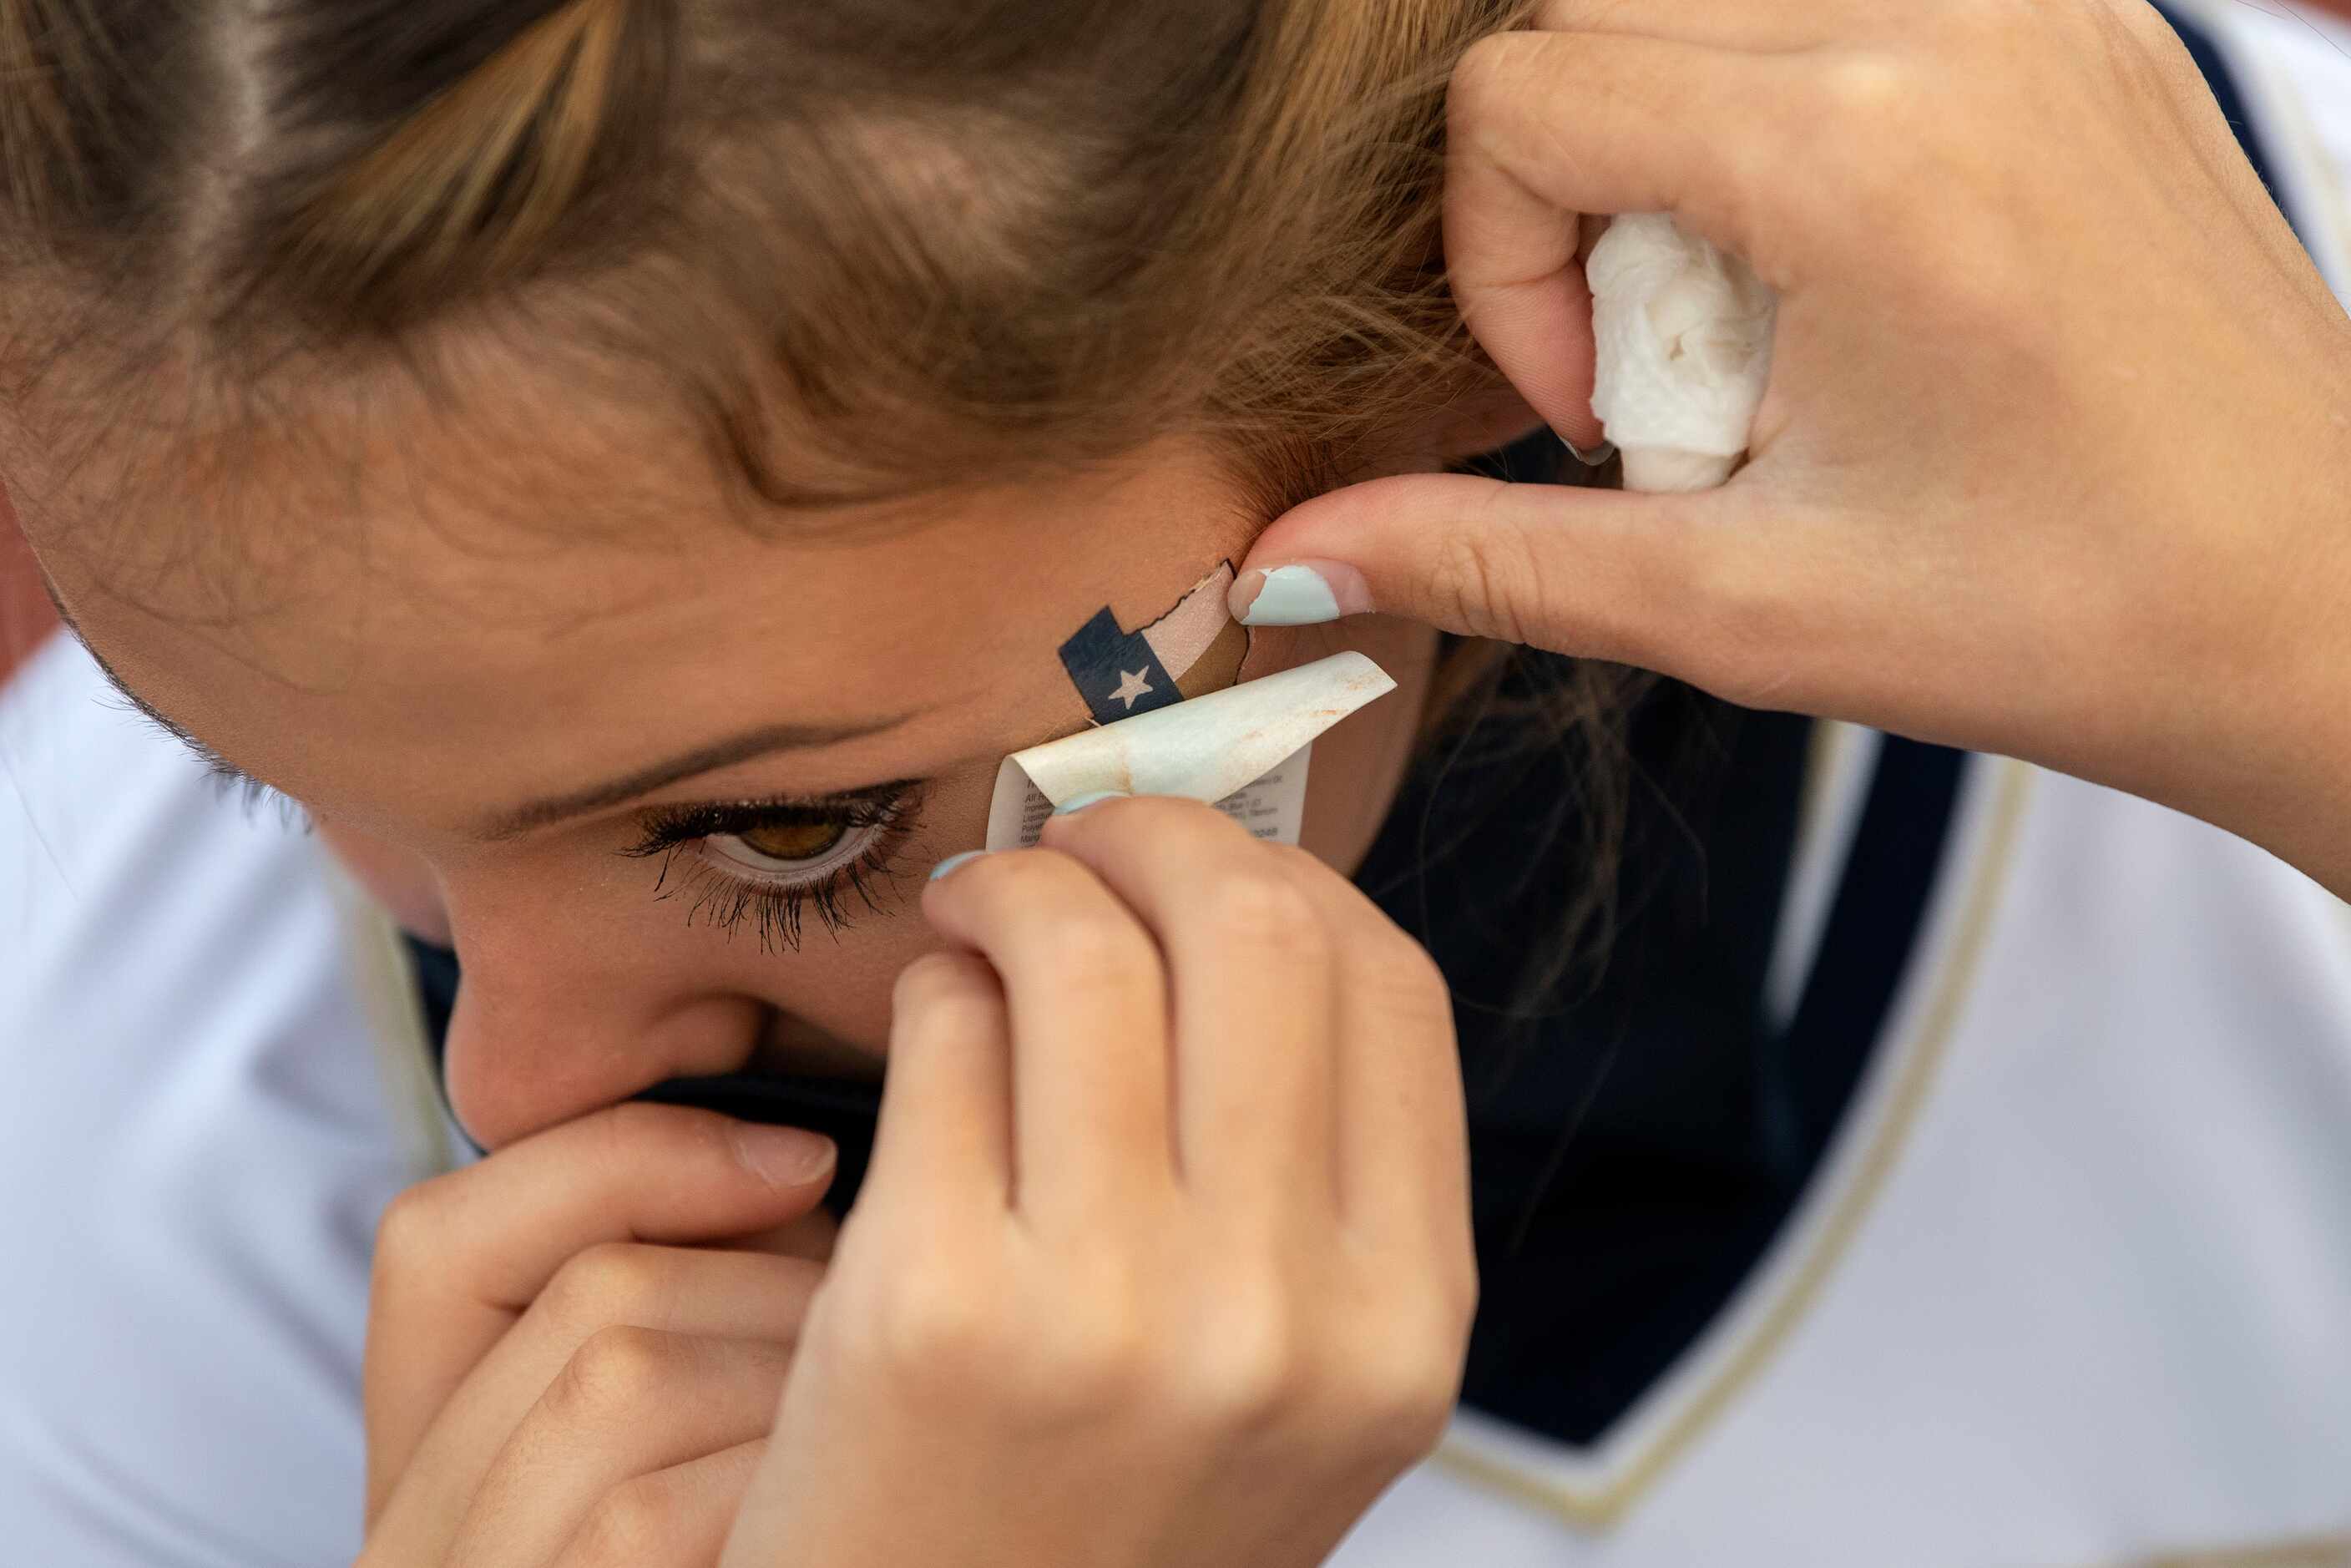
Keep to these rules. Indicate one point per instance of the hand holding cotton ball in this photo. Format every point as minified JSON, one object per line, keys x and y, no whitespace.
{"x":1682,"y":338}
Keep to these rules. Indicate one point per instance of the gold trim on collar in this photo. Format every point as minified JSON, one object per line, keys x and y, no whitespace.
{"x":2311,"y":1551}
{"x":386,"y":985}
{"x":1598,"y":1506}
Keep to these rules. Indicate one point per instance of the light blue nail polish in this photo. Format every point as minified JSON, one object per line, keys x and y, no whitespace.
{"x":952,"y":861}
{"x":1077,"y":803}
{"x":1593,"y":458}
{"x":1293,"y":596}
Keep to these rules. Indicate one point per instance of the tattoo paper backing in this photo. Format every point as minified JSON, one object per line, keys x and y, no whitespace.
{"x":1245,"y":748}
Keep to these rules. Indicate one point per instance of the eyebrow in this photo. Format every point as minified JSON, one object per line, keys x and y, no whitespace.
{"x":752,"y":743}
{"x":765,"y":741}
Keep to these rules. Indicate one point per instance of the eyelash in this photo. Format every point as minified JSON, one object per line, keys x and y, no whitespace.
{"x":777,"y":904}
{"x":252,"y":795}
{"x":225,"y":777}
{"x":720,"y":898}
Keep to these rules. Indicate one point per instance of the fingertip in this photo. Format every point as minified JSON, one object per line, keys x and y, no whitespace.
{"x":1304,"y":594}
{"x":784,"y":1156}
{"x":1076,"y":803}
{"x":953,"y":864}
{"x":938,"y":972}
{"x":1242,"y":595}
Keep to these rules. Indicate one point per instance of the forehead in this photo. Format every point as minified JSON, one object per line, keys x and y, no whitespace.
{"x":446,"y":642}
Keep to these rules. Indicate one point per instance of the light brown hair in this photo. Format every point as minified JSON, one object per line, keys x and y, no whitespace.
{"x":877,"y":246}
{"x":882,"y":245}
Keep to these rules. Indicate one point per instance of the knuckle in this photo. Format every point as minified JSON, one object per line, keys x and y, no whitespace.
{"x":1890,"y":155}
{"x":1405,"y":977}
{"x":633,"y":1524}
{"x":1457,"y":1286}
{"x":1485,"y":67}
{"x":962,"y":1017}
{"x":609,"y":1281}
{"x":924,"y":977}
{"x":1413,"y":971}
{"x":1402,"y":1391}
{"x":1870,"y":88}
{"x":1250,"y":1373}
{"x":1157,"y":812}
{"x":616,"y":1370}
{"x":1407,"y":1434}
{"x":1499,"y":88}
{"x":1476,"y":577}
{"x":942,"y":989}
{"x":1002,"y":875}
{"x":1264,"y":911}
{"x":929,"y":1330}
{"x":412,"y":1225}
{"x":1181,"y":822}
{"x":1093,"y":951}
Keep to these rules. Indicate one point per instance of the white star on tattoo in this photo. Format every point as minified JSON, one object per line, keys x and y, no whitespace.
{"x":1131,"y":685}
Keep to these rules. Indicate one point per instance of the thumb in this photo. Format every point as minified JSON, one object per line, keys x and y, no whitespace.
{"x":1594,"y":573}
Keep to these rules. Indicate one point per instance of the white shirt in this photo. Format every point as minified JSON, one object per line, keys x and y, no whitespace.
{"x":2073,"y":1287}
{"x":197,"y":1134}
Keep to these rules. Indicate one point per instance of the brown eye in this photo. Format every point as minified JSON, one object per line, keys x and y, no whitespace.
{"x":793,"y":841}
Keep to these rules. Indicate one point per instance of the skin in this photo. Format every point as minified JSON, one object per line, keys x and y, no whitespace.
{"x":576,"y":1346}
{"x":590,"y":657}
{"x":2084,"y":600}
{"x":2055,"y":456}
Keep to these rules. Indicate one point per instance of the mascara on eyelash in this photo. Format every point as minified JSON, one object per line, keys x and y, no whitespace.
{"x":724,"y":901}
{"x":667,"y":827}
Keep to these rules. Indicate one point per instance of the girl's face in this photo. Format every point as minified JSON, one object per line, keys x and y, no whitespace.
{"x":668,"y":785}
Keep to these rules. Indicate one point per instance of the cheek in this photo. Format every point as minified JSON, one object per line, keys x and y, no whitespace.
{"x":833,"y":1001}
{"x":400,"y":882}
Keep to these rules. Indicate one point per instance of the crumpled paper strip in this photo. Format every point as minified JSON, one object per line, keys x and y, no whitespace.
{"x":1208,"y":748}
{"x":1683,"y":338}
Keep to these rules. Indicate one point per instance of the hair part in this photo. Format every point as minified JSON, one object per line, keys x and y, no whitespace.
{"x":876,"y":246}
{"x":467,"y":194}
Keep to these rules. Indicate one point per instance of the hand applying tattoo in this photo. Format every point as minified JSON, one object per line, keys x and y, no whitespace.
{"x":1164,"y":1258}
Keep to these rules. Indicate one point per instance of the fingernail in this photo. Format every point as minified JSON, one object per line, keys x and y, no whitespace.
{"x":783,"y":1156}
{"x":1595,"y":457}
{"x":1303,"y":594}
{"x":954,"y":863}
{"x":1076,"y":803}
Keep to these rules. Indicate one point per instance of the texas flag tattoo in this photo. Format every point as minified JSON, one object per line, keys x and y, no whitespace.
{"x":1195,"y":648}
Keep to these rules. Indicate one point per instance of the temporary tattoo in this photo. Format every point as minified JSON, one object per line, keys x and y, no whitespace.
{"x":1196,"y":647}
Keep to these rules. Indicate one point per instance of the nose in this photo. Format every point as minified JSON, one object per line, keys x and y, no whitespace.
{"x":534,"y":1040}
{"x":399,"y":880}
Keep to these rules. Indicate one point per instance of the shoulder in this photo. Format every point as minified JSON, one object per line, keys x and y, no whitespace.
{"x":194,"y":1145}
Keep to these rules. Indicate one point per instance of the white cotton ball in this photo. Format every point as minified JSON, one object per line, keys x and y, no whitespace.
{"x":1683,"y":335}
